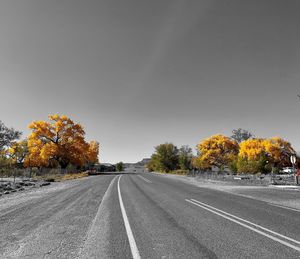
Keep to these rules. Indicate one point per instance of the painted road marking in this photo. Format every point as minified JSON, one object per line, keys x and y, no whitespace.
{"x":284,"y":207}
{"x":246,"y":221}
{"x":145,"y":179}
{"x":134,"y":250}
{"x":238,"y":220}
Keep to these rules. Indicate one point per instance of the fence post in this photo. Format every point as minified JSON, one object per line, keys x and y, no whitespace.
{"x":296,"y":179}
{"x":14,"y":170}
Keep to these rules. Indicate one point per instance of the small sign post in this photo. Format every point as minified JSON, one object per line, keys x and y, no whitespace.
{"x":293,"y":161}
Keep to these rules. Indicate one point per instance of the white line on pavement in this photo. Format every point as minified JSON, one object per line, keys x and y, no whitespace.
{"x":231,"y":218}
{"x":246,"y":221}
{"x":134,"y":250}
{"x":284,"y":207}
{"x":145,"y":179}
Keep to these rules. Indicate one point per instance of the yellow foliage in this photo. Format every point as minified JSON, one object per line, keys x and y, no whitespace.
{"x":279,"y":150}
{"x":276,"y":150}
{"x":93,"y":151}
{"x":59,"y":141}
{"x":252,"y":149}
{"x":217,"y":150}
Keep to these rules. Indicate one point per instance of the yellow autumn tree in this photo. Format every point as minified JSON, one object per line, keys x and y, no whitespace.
{"x":252,"y":149}
{"x":217,"y":150}
{"x":260,"y":155}
{"x":92,"y":153}
{"x":279,"y":151}
{"x":252,"y":157}
{"x":18,"y":151}
{"x":34,"y":158}
{"x":58,"y":141}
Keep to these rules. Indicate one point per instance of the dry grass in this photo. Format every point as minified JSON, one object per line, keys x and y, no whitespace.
{"x":73,"y":176}
{"x":177,"y":172}
{"x":180,"y":172}
{"x":62,"y":177}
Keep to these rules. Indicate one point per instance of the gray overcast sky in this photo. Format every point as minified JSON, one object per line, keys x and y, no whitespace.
{"x":138,"y":73}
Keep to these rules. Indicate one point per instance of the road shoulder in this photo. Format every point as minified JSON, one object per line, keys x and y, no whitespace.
{"x":288,"y":197}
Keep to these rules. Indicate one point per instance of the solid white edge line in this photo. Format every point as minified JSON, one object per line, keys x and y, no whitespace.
{"x":134,"y":250}
{"x":246,"y":226}
{"x":249,"y":222}
{"x":145,"y":179}
{"x":284,"y":207}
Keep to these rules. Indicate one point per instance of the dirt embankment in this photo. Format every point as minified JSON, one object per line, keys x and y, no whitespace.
{"x":11,"y":185}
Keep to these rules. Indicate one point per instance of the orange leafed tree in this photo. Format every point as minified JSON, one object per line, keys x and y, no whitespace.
{"x":252,"y":157}
{"x":58,"y":142}
{"x":93,"y":151}
{"x":276,"y":150}
{"x":256,"y":154}
{"x":217,"y":150}
{"x":279,"y":150}
{"x":252,"y":149}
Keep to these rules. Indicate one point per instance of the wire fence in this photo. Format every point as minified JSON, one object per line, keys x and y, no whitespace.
{"x":247,"y":179}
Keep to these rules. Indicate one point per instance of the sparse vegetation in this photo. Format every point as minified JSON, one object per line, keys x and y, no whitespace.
{"x":56,"y":177}
{"x":179,"y":172}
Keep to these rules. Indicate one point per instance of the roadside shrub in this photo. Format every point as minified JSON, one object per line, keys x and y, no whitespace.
{"x":252,"y":166}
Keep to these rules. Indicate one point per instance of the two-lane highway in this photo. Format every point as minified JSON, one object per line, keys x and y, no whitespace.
{"x":148,"y":216}
{"x":172,"y":219}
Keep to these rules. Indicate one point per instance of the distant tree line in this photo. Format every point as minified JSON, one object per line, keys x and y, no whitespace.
{"x":239,"y":153}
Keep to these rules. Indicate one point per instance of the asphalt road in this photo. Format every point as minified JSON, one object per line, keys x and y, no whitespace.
{"x":146,"y":216}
